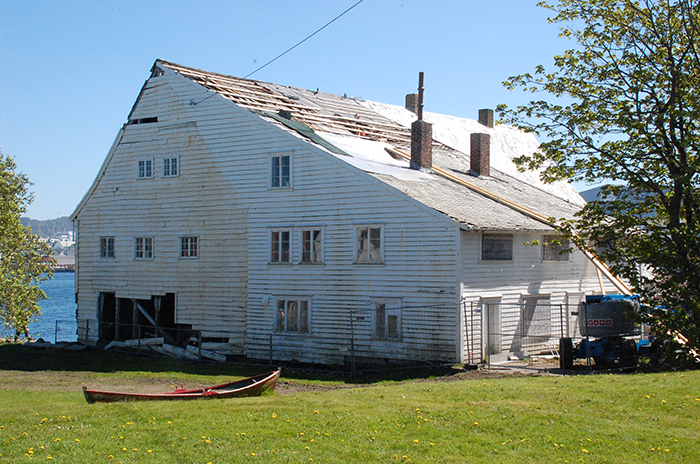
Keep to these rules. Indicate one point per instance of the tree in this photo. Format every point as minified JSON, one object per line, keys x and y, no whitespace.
{"x":24,"y":261}
{"x":625,"y":110}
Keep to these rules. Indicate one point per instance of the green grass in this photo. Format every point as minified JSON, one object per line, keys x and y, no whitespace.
{"x":604,"y":418}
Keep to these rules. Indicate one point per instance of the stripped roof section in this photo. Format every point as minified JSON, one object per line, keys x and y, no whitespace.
{"x":362,"y":130}
{"x":318,"y":110}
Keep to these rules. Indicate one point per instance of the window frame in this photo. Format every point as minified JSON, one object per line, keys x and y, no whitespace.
{"x":107,"y":247}
{"x":494,"y":257}
{"x":276,"y":179}
{"x":169,"y":159}
{"x":276,"y":246}
{"x":283,"y":307}
{"x":143,"y":248}
{"x":554,"y":253}
{"x":186,"y":250}
{"x":382,"y":312}
{"x":141,"y":173}
{"x":357,"y":259}
{"x":313,"y":254}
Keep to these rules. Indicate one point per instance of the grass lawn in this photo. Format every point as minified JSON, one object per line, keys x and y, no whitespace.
{"x":480,"y":418}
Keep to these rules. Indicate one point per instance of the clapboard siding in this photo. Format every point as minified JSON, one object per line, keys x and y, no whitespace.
{"x":509,"y":281}
{"x":222,"y":195}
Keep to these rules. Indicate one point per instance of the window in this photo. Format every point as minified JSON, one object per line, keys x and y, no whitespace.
{"x":189,"y":247}
{"x":106,"y":247}
{"x":292,"y":316}
{"x":145,"y":168}
{"x":497,"y":247}
{"x":280,"y":246}
{"x":143,"y":248}
{"x":387,"y":321}
{"x":311,"y":246}
{"x":171,"y":166}
{"x":554,"y":248}
{"x":369,"y":245}
{"x":281,"y":171}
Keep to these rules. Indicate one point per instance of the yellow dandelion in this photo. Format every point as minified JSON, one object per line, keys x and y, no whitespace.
{"x":77,"y":440}
{"x":307,"y":447}
{"x":583,"y":450}
{"x":415,"y":441}
{"x":56,"y":440}
{"x":274,"y":415}
{"x":49,"y":458}
{"x":315,"y":412}
{"x":252,"y":454}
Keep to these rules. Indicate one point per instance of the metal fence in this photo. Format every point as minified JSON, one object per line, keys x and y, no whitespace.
{"x":525,"y":334}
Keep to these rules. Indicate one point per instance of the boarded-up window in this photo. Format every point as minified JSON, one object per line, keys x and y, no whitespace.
{"x":537,"y":316}
{"x":280,"y":246}
{"x":497,"y":247}
{"x":292,"y":316}
{"x":369,"y":245}
{"x":311,"y":246}
{"x":554,"y":248}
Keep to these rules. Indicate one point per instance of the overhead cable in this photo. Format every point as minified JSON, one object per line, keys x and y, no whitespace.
{"x":307,"y":38}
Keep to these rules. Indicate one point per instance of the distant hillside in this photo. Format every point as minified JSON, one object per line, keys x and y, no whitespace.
{"x":48,"y":227}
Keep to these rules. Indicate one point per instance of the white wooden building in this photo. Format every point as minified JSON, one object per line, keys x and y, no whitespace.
{"x":286,"y":223}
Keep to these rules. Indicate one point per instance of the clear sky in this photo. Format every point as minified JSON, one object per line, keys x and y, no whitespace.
{"x":70,"y":71}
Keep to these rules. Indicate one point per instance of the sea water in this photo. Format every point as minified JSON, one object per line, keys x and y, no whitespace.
{"x":58,"y":311}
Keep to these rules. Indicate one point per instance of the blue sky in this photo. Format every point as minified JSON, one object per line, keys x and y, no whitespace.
{"x":70,"y":71}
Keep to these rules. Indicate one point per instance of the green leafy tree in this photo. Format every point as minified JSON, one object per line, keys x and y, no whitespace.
{"x":24,"y":258}
{"x":624,"y":109}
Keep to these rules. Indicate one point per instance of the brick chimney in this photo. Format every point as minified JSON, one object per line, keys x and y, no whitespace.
{"x":486,"y":117}
{"x":480,"y":155}
{"x":421,"y":135}
{"x":412,"y":102}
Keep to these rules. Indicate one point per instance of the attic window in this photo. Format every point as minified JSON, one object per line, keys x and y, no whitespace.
{"x":143,"y":120}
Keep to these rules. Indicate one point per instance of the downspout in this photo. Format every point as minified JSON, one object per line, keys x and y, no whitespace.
{"x":600,"y":266}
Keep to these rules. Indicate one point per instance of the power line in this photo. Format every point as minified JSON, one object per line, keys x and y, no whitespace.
{"x":307,"y":38}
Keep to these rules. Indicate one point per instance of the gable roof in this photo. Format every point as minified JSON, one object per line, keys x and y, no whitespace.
{"x":358,"y":132}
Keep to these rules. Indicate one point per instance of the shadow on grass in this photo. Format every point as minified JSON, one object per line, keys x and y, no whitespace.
{"x":25,"y":358}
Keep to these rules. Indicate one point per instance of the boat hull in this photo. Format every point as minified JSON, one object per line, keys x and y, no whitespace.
{"x":252,"y":386}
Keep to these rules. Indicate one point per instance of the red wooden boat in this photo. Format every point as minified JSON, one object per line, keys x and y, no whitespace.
{"x":253,"y":386}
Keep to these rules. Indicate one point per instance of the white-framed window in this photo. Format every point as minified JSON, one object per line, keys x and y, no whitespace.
{"x":171,"y":166}
{"x":554,"y":248}
{"x":368,"y":244}
{"x":281,"y":171}
{"x":143,"y":248}
{"x":387,"y":320}
{"x":106,"y":247}
{"x":280,"y":246}
{"x":311,"y":246}
{"x":497,"y":247}
{"x":145,"y":168}
{"x":189,"y":247}
{"x":293,"y":316}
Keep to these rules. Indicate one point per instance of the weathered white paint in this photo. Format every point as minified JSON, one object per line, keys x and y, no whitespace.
{"x":222,"y":195}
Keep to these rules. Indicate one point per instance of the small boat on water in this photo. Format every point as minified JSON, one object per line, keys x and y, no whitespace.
{"x":253,"y":386}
